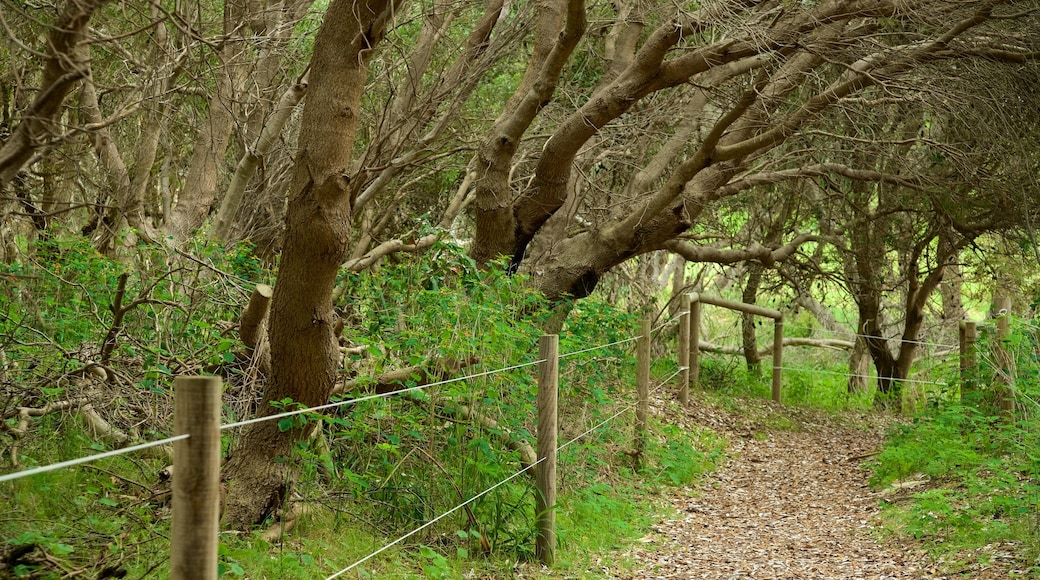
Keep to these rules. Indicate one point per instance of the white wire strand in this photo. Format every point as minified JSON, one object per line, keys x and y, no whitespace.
{"x":670,"y":377}
{"x":345,"y":402}
{"x":302,"y":411}
{"x":492,"y":488}
{"x":819,"y":372}
{"x":294,"y":412}
{"x":669,"y":321}
{"x":584,"y":350}
{"x":89,"y":458}
{"x":434,"y":520}
{"x":852,"y":334}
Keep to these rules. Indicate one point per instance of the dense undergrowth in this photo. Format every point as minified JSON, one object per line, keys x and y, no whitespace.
{"x":90,"y":346}
{"x":964,"y":478}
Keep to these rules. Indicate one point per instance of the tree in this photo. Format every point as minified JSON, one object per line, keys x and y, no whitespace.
{"x":749,"y":93}
{"x":302,"y":321}
{"x":63,"y":68}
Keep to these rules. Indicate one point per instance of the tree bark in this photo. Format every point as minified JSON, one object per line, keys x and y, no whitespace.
{"x":200,"y":184}
{"x":561,"y":24}
{"x":62,"y":70}
{"x":250,"y":160}
{"x":747,"y":320}
{"x":304,"y":355}
{"x":859,"y":366}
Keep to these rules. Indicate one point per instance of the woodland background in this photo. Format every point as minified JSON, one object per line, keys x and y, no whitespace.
{"x":427,"y":186}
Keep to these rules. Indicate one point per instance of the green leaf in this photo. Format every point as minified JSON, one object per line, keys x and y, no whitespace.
{"x":108,"y":502}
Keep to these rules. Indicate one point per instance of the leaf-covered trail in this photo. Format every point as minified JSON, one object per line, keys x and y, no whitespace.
{"x":789,"y":503}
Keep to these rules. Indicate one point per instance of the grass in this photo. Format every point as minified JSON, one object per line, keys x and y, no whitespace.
{"x":85,"y":519}
{"x":979,"y":486}
{"x":114,"y":513}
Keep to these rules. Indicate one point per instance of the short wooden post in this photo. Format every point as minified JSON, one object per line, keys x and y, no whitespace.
{"x":196,"y":479}
{"x":695,"y":341}
{"x":254,"y":317}
{"x":642,"y":386}
{"x":545,"y":471}
{"x":1005,"y":369}
{"x":967,"y":337}
{"x":684,"y":350}
{"x":778,"y":356}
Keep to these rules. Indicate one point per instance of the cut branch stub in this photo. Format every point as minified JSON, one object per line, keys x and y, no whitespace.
{"x":254,"y":317}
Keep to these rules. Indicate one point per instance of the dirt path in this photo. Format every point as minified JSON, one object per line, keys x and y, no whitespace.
{"x":790,"y":503}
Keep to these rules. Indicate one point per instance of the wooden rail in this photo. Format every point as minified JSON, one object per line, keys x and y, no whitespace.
{"x":754,"y":309}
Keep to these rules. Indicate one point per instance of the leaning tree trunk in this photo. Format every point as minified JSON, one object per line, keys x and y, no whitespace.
{"x":62,"y":69}
{"x":889,"y":387}
{"x":302,"y":336}
{"x":888,"y":384}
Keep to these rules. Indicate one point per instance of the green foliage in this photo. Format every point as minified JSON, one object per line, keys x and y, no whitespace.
{"x":981,"y":471}
{"x":407,"y":459}
{"x":678,"y":457}
{"x":85,"y":518}
{"x":57,"y":322}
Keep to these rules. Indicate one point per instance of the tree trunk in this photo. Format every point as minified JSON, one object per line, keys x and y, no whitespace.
{"x":561,"y":23}
{"x":62,"y":70}
{"x":754,"y":362}
{"x":303,"y":342}
{"x":859,"y":366}
{"x":889,"y":388}
{"x":870,"y":325}
{"x":200,"y":184}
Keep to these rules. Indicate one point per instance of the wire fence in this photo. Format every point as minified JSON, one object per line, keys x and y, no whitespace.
{"x":355,"y":400}
{"x":853,"y":335}
{"x":859,"y":376}
{"x":394,"y":393}
{"x":675,"y":318}
{"x":294,"y":413}
{"x":274,"y":417}
{"x":492,"y":488}
{"x":346,"y":402}
{"x":351,"y":401}
{"x":88,"y":459}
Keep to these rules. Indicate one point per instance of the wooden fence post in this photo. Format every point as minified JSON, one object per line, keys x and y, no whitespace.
{"x":695,"y":341}
{"x":684,"y":350}
{"x":545,"y":470}
{"x":967,"y":336}
{"x":196,"y":479}
{"x":642,"y":386}
{"x":1005,"y":369}
{"x":778,"y":355}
